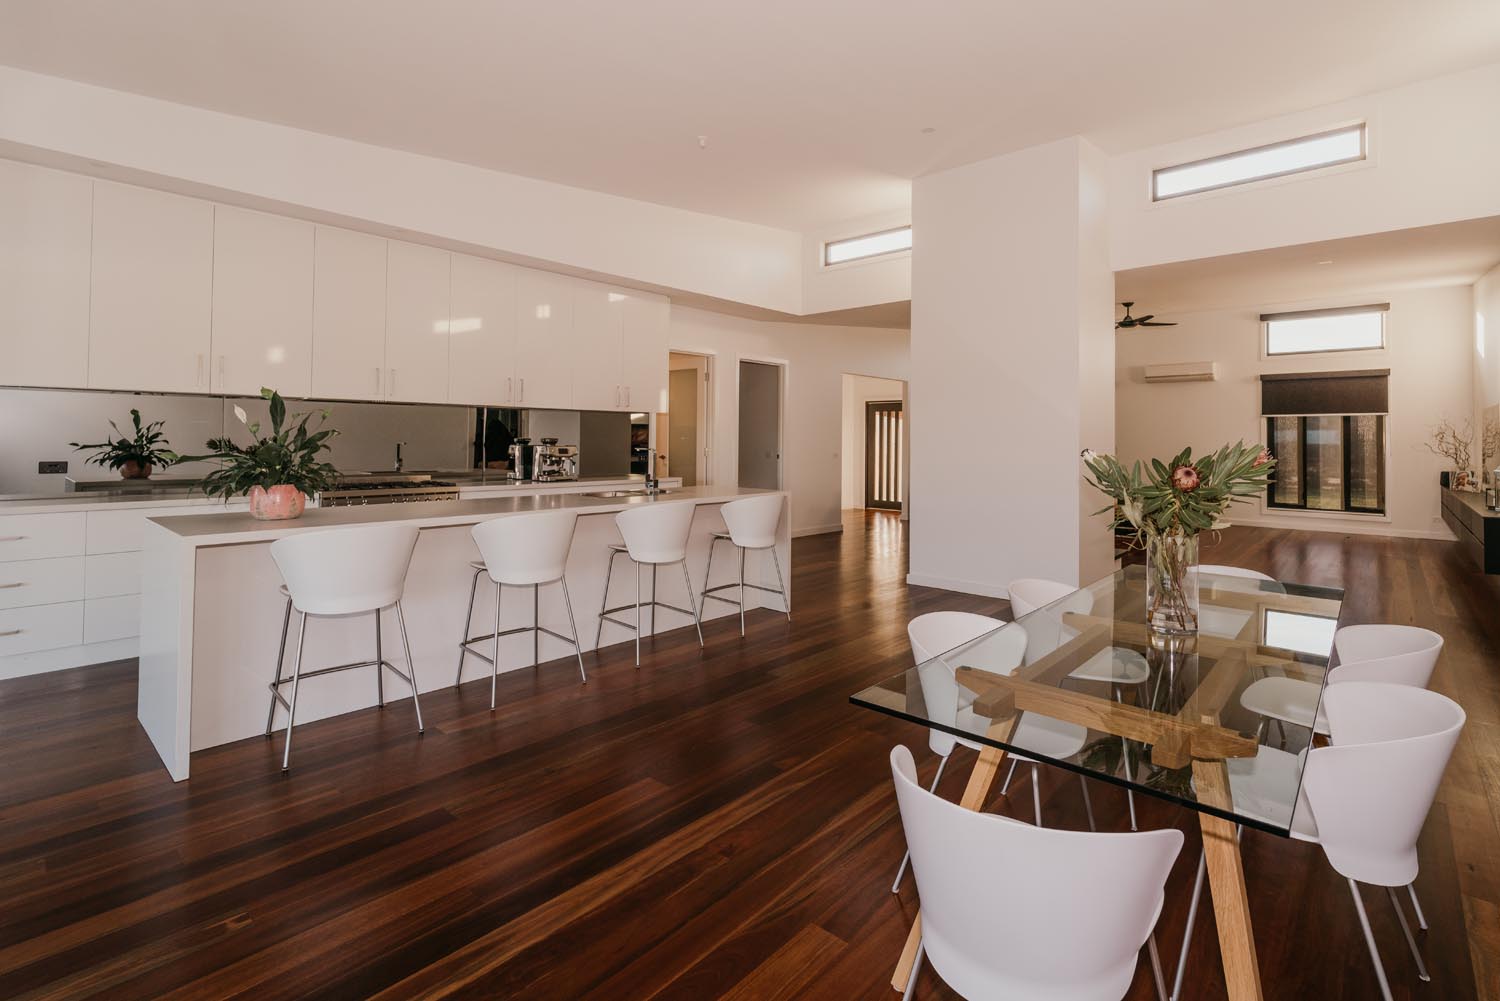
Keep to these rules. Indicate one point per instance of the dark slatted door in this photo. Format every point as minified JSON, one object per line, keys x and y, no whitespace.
{"x":883,"y":484}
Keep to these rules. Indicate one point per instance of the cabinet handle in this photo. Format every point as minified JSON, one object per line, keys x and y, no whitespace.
{"x":12,"y":538}
{"x":10,"y":632}
{"x":6,"y":587}
{"x":509,"y":389}
{"x":391,"y":391}
{"x":221,"y":371}
{"x":618,"y":401}
{"x":377,"y":381}
{"x":199,"y":380}
{"x":523,"y":389}
{"x":627,"y":396}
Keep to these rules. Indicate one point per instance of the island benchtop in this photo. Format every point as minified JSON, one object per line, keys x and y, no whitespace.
{"x":234,"y":528}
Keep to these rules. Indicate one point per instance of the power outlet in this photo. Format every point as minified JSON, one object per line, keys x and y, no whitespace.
{"x":52,"y":467}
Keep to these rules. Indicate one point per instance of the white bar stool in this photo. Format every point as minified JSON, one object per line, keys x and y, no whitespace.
{"x":333,"y":574}
{"x":655,"y":534}
{"x":521,"y":551}
{"x":752,"y":524}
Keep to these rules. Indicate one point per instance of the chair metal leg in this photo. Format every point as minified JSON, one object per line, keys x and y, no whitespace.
{"x":1364,"y":924}
{"x":1009,"y":775}
{"x":1187,"y":931}
{"x":1411,"y":941}
{"x":291,"y":711}
{"x":786,"y":600}
{"x":637,"y":615}
{"x":286,"y":621}
{"x":536,"y":623}
{"x":379,"y":664}
{"x":468,"y":620}
{"x":742,"y":592}
{"x":916,"y":968}
{"x":697,"y":617}
{"x":577,"y":650}
{"x":609,"y":571}
{"x":896,"y":886}
{"x":653,"y":598}
{"x":1411,"y":888}
{"x":708,"y":572}
{"x":1161,"y":986}
{"x":495,"y":659}
{"x":1088,"y":806}
{"x":411,"y":666}
{"x":1036,"y":793}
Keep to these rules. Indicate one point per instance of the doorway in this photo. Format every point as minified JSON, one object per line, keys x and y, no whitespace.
{"x":760,"y":425}
{"x":684,"y":431}
{"x":883,"y":470}
{"x":855,"y":461}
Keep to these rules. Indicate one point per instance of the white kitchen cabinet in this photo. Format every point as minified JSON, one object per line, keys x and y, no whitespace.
{"x":46,"y":218}
{"x":416,"y":323}
{"x":643,"y":370}
{"x":262,"y":303}
{"x":151,"y":290}
{"x":544,"y":329}
{"x":348,"y":349}
{"x":482,"y":333}
{"x":597,"y":312}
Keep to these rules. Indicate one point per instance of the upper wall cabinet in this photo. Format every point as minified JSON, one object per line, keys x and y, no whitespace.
{"x":482,"y":333}
{"x":348,"y":315}
{"x":150,"y":303}
{"x":544,"y":332}
{"x":262,"y":303}
{"x":45,"y":222}
{"x":416,"y":323}
{"x":597,"y":330}
{"x":646,"y":320}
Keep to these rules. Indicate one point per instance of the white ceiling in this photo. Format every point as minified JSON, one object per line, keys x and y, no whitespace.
{"x":1452,"y":254}
{"x":813,"y":109}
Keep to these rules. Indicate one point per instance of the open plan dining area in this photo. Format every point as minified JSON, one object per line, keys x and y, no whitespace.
{"x":632,"y":502}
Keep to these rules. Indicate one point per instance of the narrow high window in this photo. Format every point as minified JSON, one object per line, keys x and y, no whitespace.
{"x":1292,"y":156}
{"x":856,"y":248}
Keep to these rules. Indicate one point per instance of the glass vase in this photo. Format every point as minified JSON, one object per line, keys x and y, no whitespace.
{"x":1172,"y":584}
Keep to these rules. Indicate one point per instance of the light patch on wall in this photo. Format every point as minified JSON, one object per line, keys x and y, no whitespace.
{"x":458,"y":325}
{"x":544,"y":311}
{"x":616,"y":297}
{"x":276,"y":354}
{"x":1479,"y":333}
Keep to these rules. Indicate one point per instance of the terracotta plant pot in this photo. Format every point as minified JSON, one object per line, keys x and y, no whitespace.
{"x":280,"y":503}
{"x":133,"y":470}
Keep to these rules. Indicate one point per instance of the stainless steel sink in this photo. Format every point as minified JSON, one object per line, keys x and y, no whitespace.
{"x":636,"y":492}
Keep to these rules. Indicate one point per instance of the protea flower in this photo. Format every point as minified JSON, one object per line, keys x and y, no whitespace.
{"x":1263,"y":458}
{"x":1185,"y":478}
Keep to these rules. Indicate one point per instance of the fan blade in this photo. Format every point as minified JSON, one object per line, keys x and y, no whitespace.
{"x":1159,"y":323}
{"x":1125,"y":324}
{"x":1143,"y":319}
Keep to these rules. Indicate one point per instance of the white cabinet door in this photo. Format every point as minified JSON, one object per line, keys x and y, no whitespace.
{"x":46,"y":218}
{"x":544,"y":331}
{"x":151,"y":291}
{"x":416,"y":323}
{"x":644,"y":352}
{"x":263,"y":302}
{"x":482,"y":333}
{"x":348,"y":351}
{"x":596,"y":347}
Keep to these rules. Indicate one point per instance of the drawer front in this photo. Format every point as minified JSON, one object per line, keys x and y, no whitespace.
{"x":116,"y":531}
{"x":41,"y":582}
{"x":41,"y":536}
{"x":111,"y":618}
{"x":40,"y":627}
{"x":110,"y":574}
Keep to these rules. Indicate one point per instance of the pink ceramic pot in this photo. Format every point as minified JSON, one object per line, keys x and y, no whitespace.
{"x":133,"y":470}
{"x":279,"y":503}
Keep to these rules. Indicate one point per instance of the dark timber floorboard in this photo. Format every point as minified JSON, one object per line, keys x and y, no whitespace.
{"x":715,"y":824}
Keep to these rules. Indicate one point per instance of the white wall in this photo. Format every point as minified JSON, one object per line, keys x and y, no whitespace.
{"x":816,"y":358}
{"x":857,"y":283}
{"x":1486,"y":352}
{"x":1429,"y":337}
{"x":1432,"y":159}
{"x":859,"y":390}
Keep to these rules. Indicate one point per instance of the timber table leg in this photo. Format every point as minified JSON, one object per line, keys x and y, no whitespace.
{"x":1226,"y":880}
{"x":975,"y":793}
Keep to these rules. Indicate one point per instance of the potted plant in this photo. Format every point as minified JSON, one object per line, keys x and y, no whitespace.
{"x":278,"y":470}
{"x":134,"y":456}
{"x":1167,"y":507}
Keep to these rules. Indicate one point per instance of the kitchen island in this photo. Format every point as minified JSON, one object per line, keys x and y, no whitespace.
{"x":211,"y":610}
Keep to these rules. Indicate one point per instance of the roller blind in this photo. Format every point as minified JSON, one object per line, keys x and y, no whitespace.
{"x":1365,"y":391}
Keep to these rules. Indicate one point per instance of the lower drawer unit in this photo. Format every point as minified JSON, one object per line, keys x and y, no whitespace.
{"x":40,"y":627}
{"x":41,"y":582}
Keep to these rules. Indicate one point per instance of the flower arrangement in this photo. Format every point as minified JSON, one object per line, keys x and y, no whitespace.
{"x":134,"y":456}
{"x":1166,"y":505}
{"x":1456,"y":444}
{"x":276,"y":470}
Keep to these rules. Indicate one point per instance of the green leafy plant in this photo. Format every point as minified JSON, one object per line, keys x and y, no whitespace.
{"x":1183,"y":496}
{"x":288,"y":455}
{"x":145,"y":446}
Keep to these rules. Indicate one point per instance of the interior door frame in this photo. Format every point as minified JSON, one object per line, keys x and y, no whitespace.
{"x":706,"y":422}
{"x":785,"y":368}
{"x":871,"y":407}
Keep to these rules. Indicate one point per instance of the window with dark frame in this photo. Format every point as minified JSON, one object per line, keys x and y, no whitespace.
{"x":1327,"y":431}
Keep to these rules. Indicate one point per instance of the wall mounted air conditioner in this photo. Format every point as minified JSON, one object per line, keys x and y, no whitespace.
{"x":1187,"y":371}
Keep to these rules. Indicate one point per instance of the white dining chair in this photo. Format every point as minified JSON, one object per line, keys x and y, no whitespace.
{"x":1400,"y":655}
{"x":937,"y":633}
{"x":751,"y":525}
{"x":655,"y":534}
{"x":522,"y":550}
{"x":1363,"y":798}
{"x":1015,"y":911}
{"x":334,"y":574}
{"x":1118,"y":667}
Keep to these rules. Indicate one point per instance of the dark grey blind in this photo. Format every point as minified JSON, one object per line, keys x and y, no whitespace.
{"x":1358,"y":392}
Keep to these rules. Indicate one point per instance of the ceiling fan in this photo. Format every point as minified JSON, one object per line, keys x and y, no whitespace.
{"x":1139,"y":321}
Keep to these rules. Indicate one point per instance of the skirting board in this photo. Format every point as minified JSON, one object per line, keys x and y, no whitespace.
{"x":1352,"y":527}
{"x":952,"y":584}
{"x":817,"y":530}
{"x":64,"y":658}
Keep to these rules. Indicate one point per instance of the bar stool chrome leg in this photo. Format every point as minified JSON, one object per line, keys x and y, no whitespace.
{"x":463,"y":646}
{"x":379,"y":664}
{"x":742,"y":592}
{"x":573,"y":625}
{"x":786,"y":602}
{"x":411,"y":667}
{"x":286,"y":621}
{"x":609,"y":571}
{"x":291,"y":708}
{"x":536,"y":619}
{"x":697,"y":614}
{"x":744,"y":586}
{"x":495,"y":657}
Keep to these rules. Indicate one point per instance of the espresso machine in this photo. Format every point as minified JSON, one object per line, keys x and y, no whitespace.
{"x":555,"y":462}
{"x":522,"y":460}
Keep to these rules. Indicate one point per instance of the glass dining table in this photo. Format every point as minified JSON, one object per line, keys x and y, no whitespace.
{"x":1175,"y":717}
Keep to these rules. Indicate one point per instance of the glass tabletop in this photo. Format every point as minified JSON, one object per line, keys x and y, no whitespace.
{"x":1219,"y":722}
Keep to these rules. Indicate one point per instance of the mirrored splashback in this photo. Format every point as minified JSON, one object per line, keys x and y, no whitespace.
{"x":467,"y":444}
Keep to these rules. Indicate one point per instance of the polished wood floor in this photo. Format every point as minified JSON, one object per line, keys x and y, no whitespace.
{"x":715,"y":824}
